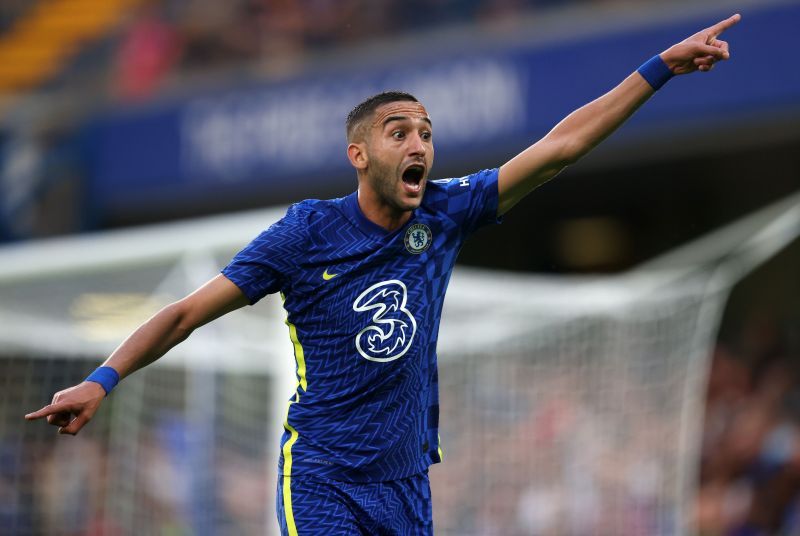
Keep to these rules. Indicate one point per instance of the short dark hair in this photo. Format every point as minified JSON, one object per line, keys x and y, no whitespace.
{"x":368,"y":107}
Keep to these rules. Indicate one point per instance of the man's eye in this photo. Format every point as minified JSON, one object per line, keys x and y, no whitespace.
{"x":426,"y":136}
{"x":398,"y":135}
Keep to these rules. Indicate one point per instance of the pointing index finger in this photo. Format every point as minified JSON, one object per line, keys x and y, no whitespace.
{"x":721,"y":26}
{"x":50,"y":409}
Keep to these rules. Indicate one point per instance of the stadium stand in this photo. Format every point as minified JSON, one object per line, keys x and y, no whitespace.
{"x":38,"y":41}
{"x":43,"y":39}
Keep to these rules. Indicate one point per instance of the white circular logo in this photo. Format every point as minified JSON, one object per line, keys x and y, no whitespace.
{"x":418,"y":238}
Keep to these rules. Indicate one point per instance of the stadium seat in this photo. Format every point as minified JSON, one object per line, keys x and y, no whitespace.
{"x":36,"y":47}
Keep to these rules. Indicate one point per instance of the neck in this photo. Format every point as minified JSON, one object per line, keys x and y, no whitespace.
{"x":379,"y":212}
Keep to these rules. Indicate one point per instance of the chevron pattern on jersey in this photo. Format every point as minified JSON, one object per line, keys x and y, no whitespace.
{"x":368,"y":410}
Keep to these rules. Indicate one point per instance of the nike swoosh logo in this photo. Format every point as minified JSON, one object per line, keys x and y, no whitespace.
{"x":326,"y":276}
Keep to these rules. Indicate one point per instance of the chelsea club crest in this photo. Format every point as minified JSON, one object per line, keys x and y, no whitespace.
{"x":418,"y":238}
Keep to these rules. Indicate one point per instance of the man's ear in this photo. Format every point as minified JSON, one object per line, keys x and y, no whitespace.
{"x":357,"y":153}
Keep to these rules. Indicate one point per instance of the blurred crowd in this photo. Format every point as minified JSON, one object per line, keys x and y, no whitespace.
{"x":63,"y":487}
{"x":275,"y":36}
{"x":561,"y":449}
{"x":9,"y":11}
{"x":160,"y":38}
{"x":146,"y":465}
{"x":750,"y":470}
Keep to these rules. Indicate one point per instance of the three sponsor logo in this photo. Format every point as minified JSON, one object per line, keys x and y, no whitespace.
{"x":391,"y":332}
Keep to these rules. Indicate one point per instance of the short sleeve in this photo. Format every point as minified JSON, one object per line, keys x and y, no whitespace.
{"x":471,"y":201}
{"x":267,"y":264}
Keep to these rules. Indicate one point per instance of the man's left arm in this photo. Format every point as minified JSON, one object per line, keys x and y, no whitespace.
{"x":586,"y":127}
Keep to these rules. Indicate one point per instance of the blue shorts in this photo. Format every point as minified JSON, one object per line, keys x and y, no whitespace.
{"x":314,"y":506}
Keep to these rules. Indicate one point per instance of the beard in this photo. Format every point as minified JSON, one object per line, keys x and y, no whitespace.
{"x":385,"y":180}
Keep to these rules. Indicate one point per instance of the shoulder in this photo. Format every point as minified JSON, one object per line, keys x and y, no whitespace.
{"x":292,"y":228}
{"x":303,"y":211}
{"x":306,"y":213}
{"x":313,"y":219}
{"x":437,"y":191}
{"x":441,"y":190}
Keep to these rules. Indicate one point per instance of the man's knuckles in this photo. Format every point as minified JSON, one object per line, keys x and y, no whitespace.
{"x":59,"y":419}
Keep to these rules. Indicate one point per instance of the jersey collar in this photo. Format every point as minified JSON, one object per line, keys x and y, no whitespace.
{"x":369,"y":227}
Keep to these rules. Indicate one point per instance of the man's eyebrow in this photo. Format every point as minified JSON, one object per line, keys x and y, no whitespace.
{"x":402,"y":118}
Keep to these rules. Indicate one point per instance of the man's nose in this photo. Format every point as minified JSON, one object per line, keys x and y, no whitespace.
{"x":416,"y":146}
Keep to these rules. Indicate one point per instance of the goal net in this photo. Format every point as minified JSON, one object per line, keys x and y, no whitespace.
{"x":585,"y":421}
{"x":568,"y":405}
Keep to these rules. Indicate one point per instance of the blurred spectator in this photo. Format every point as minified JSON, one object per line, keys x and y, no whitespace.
{"x":276,"y":35}
{"x":750,"y":477}
{"x":70,"y":493}
{"x":10,"y":10}
{"x":148,"y":51}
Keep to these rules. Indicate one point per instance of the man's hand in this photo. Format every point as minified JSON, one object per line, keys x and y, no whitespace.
{"x":72,"y":408}
{"x":701,"y":51}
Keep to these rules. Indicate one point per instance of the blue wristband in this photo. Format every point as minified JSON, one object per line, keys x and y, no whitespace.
{"x":656,"y":72}
{"x":107,"y":377}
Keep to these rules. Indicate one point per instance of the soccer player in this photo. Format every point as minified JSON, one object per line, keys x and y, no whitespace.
{"x":364,"y":278}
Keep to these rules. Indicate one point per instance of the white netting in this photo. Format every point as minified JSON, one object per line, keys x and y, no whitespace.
{"x":585,"y":424}
{"x":569,"y":406}
{"x":187,"y":445}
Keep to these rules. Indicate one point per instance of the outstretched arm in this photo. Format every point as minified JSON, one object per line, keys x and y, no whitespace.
{"x":72,"y":408}
{"x":586,"y":127}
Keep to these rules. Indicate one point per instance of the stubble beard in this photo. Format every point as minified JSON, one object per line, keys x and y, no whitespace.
{"x":384,"y":181}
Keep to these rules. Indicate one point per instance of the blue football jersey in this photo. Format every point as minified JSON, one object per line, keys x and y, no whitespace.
{"x":363,"y":308}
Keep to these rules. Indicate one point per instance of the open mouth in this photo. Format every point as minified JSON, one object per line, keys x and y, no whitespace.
{"x":412,"y":177}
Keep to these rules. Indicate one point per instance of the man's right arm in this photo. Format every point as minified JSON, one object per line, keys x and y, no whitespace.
{"x":170,"y":326}
{"x":586,"y":127}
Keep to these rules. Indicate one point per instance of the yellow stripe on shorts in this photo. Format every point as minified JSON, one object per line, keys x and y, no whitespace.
{"x":302,"y":383}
